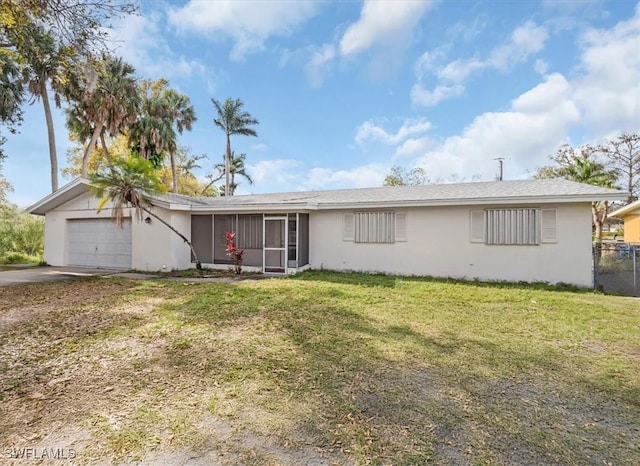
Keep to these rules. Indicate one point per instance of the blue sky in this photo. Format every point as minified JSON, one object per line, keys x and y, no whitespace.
{"x":345,"y":90}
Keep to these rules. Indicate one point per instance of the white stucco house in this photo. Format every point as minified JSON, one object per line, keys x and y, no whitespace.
{"x":533,"y":230}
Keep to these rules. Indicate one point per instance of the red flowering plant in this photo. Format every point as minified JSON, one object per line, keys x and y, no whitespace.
{"x":233,"y":252}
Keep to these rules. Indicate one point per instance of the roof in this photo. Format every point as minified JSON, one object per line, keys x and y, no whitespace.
{"x":475,"y":193}
{"x":628,"y":209}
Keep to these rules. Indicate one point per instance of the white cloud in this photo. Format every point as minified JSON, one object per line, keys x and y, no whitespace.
{"x":358,"y":177}
{"x":426,"y":98}
{"x":260,"y":147}
{"x":281,"y":175}
{"x":369,"y":131}
{"x":429,"y":61}
{"x":142,"y":44}
{"x":248,"y":24}
{"x":412,"y":147}
{"x":459,"y":70}
{"x":381,"y":22}
{"x":541,"y":66}
{"x":609,"y":75}
{"x":535,"y":125}
{"x":525,"y":41}
{"x":280,"y":171}
{"x":316,"y":67}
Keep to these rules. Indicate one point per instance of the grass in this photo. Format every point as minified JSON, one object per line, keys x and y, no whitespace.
{"x":321,"y":368}
{"x":19,"y":258}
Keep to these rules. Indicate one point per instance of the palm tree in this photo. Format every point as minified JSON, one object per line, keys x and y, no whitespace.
{"x":237,"y":167}
{"x":132,"y":182}
{"x":182,"y":115}
{"x":582,"y":166}
{"x":109,"y":104}
{"x":46,"y":63}
{"x":164,"y":112}
{"x":232,"y":120}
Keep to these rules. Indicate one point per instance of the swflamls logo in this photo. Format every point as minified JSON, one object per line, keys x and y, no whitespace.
{"x":36,"y":453}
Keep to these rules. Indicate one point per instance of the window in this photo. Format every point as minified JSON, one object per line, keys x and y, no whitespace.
{"x":374,"y":227}
{"x":249,"y":232}
{"x":513,"y":226}
{"x":548,"y":225}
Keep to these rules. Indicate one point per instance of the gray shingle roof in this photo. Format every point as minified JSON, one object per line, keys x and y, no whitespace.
{"x":451,"y":194}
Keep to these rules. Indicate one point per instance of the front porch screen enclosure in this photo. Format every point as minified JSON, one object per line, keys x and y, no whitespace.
{"x":273,"y":242}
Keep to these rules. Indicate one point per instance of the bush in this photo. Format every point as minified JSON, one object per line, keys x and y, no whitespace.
{"x":21,"y":236}
{"x":19,"y":258}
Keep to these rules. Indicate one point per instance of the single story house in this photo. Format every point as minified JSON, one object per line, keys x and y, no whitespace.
{"x":530,"y":230}
{"x":631,"y":216}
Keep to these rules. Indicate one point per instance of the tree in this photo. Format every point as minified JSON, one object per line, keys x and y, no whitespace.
{"x":237,"y":167}
{"x":181,"y":114}
{"x":399,"y":176}
{"x":100,"y":159}
{"x":108,"y":103}
{"x":187,"y":182}
{"x":132,"y":182}
{"x":164,"y":114}
{"x":5,"y":187}
{"x":623,"y":154}
{"x":42,"y":39}
{"x":11,"y":95}
{"x":42,"y":61}
{"x":232,"y":120}
{"x":76,"y":23}
{"x":582,"y":166}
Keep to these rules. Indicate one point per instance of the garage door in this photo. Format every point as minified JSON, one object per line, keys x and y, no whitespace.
{"x":99,"y":243}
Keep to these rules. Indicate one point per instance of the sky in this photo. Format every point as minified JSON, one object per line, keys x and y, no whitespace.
{"x":345,"y":90}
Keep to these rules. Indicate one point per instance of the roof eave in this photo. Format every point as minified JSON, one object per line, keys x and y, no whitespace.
{"x":474,"y":201}
{"x":625,"y":210}
{"x":59,"y":197}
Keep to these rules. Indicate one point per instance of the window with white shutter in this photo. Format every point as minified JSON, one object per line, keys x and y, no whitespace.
{"x":401,"y":226}
{"x":513,"y":226}
{"x":374,"y":227}
{"x":477,"y":226}
{"x":348,"y":228}
{"x":548,"y":221}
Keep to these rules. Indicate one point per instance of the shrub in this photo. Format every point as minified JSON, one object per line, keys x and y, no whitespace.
{"x":22,"y":234}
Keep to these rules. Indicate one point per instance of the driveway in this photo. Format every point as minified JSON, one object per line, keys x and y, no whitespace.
{"x":47,"y":274}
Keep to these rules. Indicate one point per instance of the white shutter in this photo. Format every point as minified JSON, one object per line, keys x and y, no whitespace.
{"x":401,"y":226}
{"x":348,"y":227}
{"x":476,"y":226}
{"x":548,"y":225}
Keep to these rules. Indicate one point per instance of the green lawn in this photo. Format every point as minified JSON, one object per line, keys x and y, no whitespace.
{"x":322,"y":368}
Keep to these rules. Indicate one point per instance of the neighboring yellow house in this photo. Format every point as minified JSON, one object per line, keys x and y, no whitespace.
{"x":631,"y":216}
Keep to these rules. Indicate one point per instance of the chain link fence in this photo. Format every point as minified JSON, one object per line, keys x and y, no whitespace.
{"x":615,"y":267}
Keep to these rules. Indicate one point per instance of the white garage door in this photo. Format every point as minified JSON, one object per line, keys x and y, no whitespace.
{"x":99,"y":243}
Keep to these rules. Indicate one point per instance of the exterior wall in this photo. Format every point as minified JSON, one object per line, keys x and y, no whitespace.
{"x":438,"y":245}
{"x":632,"y":228}
{"x":55,"y":236}
{"x":154,"y":247}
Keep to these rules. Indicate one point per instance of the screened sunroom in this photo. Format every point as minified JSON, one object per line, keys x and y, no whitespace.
{"x":273,"y":242}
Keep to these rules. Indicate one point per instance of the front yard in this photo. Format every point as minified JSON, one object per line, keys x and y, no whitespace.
{"x":323,"y":368}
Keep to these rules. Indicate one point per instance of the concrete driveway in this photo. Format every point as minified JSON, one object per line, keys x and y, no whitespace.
{"x":47,"y":274}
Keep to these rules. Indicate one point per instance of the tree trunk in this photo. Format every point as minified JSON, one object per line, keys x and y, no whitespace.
{"x":107,"y":155}
{"x":87,"y":150}
{"x":227,"y":166}
{"x":630,"y":198}
{"x":53,"y":156}
{"x":232,"y":184}
{"x":598,"y":220}
{"x":184,"y":238}
{"x":174,"y":174}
